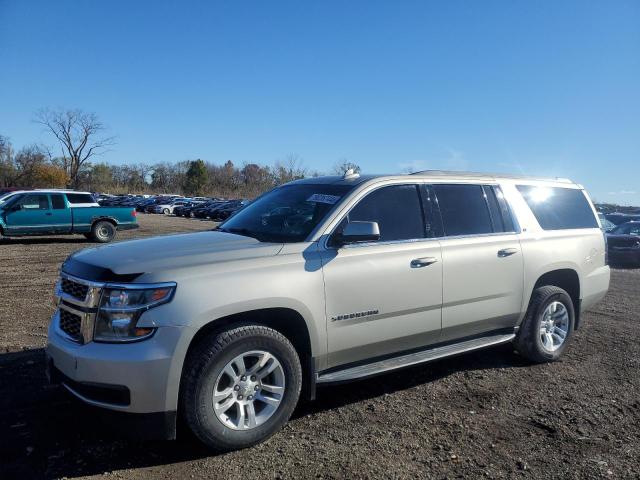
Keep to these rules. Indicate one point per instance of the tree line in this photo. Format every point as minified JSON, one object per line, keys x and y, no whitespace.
{"x":81,"y":138}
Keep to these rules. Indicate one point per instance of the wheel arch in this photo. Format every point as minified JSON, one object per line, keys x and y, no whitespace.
{"x":104,"y":219}
{"x":569,"y":280}
{"x":288,"y":321}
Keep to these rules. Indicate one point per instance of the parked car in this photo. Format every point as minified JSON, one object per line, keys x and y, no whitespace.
{"x":167,"y":207}
{"x":605,"y":224}
{"x":62,"y":213}
{"x":623,"y":244}
{"x":183,"y":210}
{"x":228,"y":328}
{"x":620,"y":218}
{"x":225,"y":211}
{"x":205,"y":210}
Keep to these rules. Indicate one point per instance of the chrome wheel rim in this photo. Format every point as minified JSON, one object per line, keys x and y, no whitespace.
{"x":249,"y":390}
{"x":554,"y":327}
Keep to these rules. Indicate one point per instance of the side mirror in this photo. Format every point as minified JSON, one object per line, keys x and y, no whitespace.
{"x":15,"y":208}
{"x":355,"y":232}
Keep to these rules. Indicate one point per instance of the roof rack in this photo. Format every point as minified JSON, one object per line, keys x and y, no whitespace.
{"x":445,"y":173}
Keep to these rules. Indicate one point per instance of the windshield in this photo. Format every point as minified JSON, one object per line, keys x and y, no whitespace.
{"x":286,"y":214}
{"x":6,"y":196}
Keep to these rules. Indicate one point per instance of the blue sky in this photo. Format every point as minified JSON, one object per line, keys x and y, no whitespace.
{"x":535,"y":87}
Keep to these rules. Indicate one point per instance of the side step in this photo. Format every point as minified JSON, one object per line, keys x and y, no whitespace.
{"x":394,"y":363}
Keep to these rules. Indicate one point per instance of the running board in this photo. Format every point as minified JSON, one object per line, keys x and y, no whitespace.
{"x":369,"y":369}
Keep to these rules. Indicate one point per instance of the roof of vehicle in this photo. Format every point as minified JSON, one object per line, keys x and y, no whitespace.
{"x":48,"y":190}
{"x":356,"y":179}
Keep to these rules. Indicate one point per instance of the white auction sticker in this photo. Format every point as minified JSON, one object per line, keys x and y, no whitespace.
{"x":322,"y":198}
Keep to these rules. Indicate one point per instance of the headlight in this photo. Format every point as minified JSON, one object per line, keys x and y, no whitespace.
{"x":120,"y":308}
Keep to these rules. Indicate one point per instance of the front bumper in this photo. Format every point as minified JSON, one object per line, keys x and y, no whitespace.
{"x":131,"y":377}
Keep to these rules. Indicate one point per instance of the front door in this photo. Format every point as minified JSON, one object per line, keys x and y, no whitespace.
{"x":385,"y":296}
{"x":30,"y":214}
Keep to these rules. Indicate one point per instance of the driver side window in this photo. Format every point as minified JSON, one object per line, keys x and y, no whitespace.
{"x":35,"y":202}
{"x":396,"y":209}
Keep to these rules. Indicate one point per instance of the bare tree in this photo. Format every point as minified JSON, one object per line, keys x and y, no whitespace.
{"x":80,"y":135}
{"x":343,"y":166}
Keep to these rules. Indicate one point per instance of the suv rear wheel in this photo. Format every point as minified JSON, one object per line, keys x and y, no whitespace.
{"x":547,"y":326}
{"x":240,"y":386}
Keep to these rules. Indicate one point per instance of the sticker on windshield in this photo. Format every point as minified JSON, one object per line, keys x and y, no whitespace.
{"x":322,"y":198}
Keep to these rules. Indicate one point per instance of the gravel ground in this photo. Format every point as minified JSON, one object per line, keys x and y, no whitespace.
{"x":485,"y":414}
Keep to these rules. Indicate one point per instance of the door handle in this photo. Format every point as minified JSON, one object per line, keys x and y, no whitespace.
{"x":505,"y":252}
{"x":48,"y":214}
{"x":423,"y":262}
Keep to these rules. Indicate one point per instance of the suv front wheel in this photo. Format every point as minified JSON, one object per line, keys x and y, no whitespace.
{"x":547,"y":325}
{"x":240,"y":386}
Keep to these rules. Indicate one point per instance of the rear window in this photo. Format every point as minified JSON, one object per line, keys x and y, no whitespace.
{"x":558,"y":208}
{"x":80,"y":198}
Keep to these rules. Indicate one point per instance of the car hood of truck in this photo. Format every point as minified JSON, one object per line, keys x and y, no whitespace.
{"x":126,"y":261}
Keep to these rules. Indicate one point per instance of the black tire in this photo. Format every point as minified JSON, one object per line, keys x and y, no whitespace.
{"x":206,"y":362}
{"x":529,"y":342}
{"x":103,"y":231}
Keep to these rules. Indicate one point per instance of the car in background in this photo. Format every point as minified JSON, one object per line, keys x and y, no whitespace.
{"x":620,"y":218}
{"x":56,"y":212}
{"x":227,"y":210}
{"x":623,"y":244}
{"x":607,"y":225}
{"x":205,"y":210}
{"x":184,"y":210}
{"x":166,"y":208}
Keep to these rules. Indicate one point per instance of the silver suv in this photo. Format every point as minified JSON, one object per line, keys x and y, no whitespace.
{"x":320,"y":281}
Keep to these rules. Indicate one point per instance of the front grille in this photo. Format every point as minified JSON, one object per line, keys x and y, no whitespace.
{"x":75,"y":289}
{"x":71,"y":324}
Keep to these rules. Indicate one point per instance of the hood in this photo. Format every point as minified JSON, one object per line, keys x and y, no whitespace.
{"x":125,"y":261}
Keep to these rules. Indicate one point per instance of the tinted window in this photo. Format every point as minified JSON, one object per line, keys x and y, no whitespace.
{"x":627,"y":229}
{"x":464,"y":209}
{"x":286,"y":214}
{"x":57,"y":202}
{"x":558,"y":208}
{"x":80,"y":198}
{"x":396,"y":209}
{"x":35,"y":202}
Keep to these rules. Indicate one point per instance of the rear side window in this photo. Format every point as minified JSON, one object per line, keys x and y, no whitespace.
{"x":558,"y":208}
{"x":397,"y":210}
{"x":464,"y":209}
{"x":80,"y":198}
{"x":57,"y":202}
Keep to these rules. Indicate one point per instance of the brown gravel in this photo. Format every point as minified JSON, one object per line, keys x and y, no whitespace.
{"x":483,"y":414}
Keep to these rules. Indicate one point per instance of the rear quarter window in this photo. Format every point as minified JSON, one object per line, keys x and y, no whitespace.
{"x":558,"y":208}
{"x":80,"y":198}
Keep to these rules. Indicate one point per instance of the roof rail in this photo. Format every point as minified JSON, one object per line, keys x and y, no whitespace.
{"x":445,"y":173}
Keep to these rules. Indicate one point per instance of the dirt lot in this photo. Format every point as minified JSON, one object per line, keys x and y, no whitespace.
{"x":483,"y":414}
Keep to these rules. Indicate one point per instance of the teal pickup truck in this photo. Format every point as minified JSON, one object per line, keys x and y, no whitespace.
{"x":62,"y":213}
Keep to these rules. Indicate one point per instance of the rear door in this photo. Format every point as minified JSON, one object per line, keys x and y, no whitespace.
{"x":380,"y":298}
{"x":30,"y":214}
{"x":61,"y":220}
{"x":482,"y":278}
